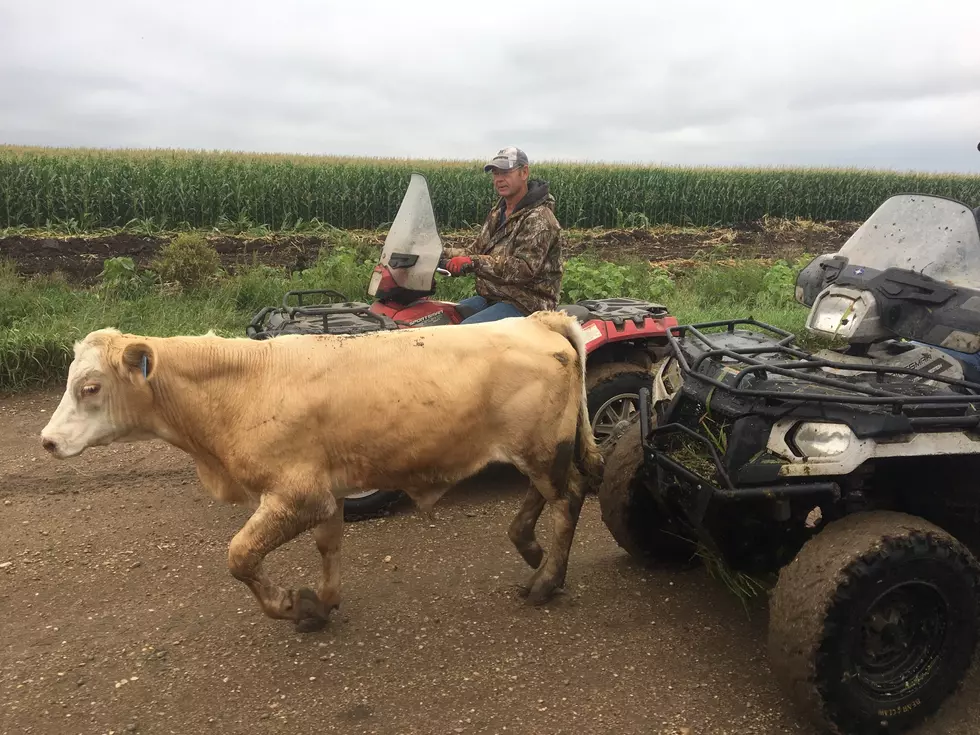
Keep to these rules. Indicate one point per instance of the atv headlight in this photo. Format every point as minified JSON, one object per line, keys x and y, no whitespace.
{"x":836,"y":314}
{"x":849,"y":313}
{"x":819,"y":439}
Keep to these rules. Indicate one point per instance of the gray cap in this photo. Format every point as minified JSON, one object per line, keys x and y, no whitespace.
{"x":507,"y":158}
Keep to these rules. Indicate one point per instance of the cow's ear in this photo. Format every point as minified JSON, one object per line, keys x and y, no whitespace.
{"x":141,"y":357}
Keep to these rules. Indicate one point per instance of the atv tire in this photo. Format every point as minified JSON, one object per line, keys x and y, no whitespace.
{"x":613,"y":398}
{"x":628,"y":509}
{"x":874,"y":622}
{"x":370,"y":505}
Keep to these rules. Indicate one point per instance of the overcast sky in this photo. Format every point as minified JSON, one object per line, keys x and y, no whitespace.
{"x":888,"y":83}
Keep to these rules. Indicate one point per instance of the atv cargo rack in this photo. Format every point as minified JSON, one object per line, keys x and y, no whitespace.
{"x":852,"y":392}
{"x":350,"y":317}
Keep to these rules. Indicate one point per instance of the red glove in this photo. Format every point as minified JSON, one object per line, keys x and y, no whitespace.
{"x":459,"y":265}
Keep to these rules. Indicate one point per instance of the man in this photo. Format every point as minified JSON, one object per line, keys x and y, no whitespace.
{"x":517,"y":257}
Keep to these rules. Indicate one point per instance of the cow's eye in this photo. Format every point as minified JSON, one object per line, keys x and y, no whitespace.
{"x":91,"y":389}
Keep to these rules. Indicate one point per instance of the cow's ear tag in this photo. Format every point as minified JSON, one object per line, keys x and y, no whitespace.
{"x":139,"y":356}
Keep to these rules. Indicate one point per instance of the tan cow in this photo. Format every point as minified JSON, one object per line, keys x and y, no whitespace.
{"x":293,"y":424}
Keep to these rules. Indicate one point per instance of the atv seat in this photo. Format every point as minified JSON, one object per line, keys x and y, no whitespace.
{"x":579,"y":312}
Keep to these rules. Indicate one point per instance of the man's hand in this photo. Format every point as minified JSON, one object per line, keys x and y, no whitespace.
{"x":459,"y":265}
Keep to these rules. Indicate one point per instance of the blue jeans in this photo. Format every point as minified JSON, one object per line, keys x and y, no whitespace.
{"x":484,"y":313}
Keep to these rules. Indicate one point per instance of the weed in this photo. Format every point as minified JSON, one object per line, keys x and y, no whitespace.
{"x":120,"y":278}
{"x":189,"y":260}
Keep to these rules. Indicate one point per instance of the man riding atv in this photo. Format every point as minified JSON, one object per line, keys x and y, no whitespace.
{"x":517,"y":257}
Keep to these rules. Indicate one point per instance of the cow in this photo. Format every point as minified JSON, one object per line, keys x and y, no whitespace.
{"x":291,"y":425}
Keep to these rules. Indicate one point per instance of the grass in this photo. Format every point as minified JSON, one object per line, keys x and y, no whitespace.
{"x":742,"y":585}
{"x":41,"y":317}
{"x":82,"y":189}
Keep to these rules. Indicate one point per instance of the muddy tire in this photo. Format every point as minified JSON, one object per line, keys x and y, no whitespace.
{"x":630,"y":512}
{"x":874,"y":622}
{"x":370,"y":505}
{"x":614,"y":398}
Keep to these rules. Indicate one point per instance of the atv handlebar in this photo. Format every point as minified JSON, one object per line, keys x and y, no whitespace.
{"x":441,"y":267}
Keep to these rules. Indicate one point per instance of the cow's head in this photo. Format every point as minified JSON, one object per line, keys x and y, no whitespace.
{"x":107,"y":397}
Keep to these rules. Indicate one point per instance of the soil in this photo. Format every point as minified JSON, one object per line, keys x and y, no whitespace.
{"x":80,"y":259}
{"x":119,"y":616}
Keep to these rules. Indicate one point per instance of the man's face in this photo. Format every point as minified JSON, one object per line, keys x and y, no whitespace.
{"x":507,"y":183}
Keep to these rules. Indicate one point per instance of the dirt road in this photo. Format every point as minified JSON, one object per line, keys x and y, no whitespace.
{"x":118,"y":616}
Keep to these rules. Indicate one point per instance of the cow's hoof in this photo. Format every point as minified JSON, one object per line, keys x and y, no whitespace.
{"x":310,"y":615}
{"x":310,"y":625}
{"x":541,"y":592}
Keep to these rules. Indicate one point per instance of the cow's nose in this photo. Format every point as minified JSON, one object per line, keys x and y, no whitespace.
{"x":49,"y":444}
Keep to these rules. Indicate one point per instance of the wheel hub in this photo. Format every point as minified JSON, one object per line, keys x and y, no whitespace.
{"x":614,"y":416}
{"x":900,"y":639}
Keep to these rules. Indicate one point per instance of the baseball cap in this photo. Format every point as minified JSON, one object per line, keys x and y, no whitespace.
{"x":507,"y":158}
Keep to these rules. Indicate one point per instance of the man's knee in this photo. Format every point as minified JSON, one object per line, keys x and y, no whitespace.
{"x":474,"y":303}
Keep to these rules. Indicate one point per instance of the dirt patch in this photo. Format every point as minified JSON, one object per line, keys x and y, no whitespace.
{"x":776,"y":239}
{"x":80,"y":259}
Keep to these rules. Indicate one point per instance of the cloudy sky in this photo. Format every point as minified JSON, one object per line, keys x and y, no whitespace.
{"x":882,"y":83}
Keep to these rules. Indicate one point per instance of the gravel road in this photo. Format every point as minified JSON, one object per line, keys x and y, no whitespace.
{"x":119,"y":616}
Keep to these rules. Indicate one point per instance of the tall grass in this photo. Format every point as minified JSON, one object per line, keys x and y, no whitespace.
{"x":41,"y":317}
{"x":174,"y":189}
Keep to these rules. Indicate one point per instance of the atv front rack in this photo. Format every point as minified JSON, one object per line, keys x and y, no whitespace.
{"x":801,"y":362}
{"x":695,"y":492}
{"x":706,"y":487}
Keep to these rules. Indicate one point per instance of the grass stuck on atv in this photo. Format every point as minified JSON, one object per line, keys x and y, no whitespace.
{"x":626,"y":336}
{"x":847,"y":475}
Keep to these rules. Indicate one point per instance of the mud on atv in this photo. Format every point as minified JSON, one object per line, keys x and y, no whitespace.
{"x":844,"y":472}
{"x":626,"y":336}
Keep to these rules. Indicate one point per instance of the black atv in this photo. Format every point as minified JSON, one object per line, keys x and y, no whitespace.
{"x":842,"y":473}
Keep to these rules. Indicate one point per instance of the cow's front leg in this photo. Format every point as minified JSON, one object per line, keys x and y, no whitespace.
{"x":328,"y":536}
{"x":275,"y":522}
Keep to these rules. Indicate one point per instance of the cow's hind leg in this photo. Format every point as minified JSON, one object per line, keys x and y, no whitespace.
{"x":273,"y":524}
{"x":521,"y":530}
{"x":564,"y":489}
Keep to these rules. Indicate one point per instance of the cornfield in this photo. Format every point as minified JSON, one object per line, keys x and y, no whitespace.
{"x":182,"y":189}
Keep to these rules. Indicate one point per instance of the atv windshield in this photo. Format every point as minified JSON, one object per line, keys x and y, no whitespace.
{"x":931,"y":235}
{"x":413,"y":248}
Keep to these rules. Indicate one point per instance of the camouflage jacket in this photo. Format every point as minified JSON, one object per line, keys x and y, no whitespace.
{"x":520,"y":262}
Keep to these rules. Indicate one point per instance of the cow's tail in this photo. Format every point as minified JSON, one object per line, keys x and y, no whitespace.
{"x":588,"y":458}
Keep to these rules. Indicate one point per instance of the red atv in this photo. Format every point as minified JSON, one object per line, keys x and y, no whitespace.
{"x":626,"y":336}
